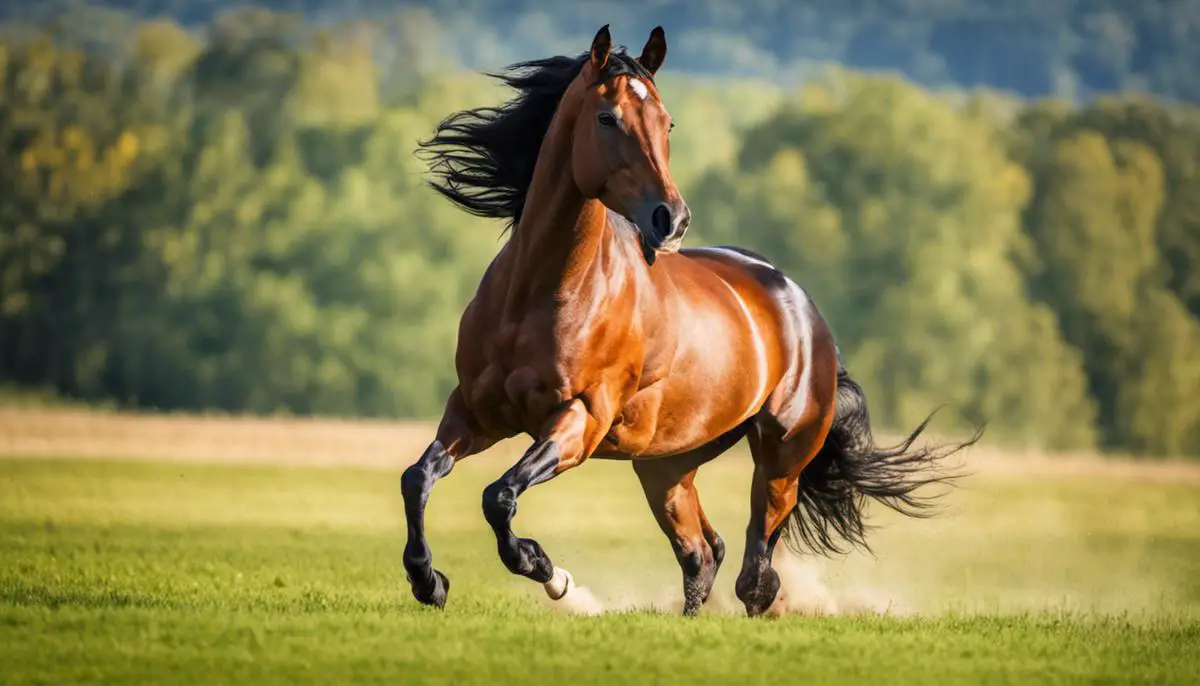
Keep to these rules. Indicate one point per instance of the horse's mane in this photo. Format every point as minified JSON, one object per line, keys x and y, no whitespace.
{"x":483,"y":158}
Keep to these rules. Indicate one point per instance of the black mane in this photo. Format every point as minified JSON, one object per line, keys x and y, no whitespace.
{"x":483,"y":158}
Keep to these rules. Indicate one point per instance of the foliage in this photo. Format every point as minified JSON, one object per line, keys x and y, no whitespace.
{"x":1035,"y":48}
{"x":901,"y":216}
{"x":182,"y":239}
{"x":1117,"y":232}
{"x":236,"y":221}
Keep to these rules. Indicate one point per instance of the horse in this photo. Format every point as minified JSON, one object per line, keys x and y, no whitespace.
{"x":596,"y":334}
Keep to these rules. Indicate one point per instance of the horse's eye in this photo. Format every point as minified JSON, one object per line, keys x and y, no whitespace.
{"x":607,"y":119}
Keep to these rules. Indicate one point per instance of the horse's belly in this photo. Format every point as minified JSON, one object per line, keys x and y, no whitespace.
{"x":698,"y":415}
{"x":684,"y":412}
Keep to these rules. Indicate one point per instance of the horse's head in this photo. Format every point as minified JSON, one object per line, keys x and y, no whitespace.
{"x":621,"y":153}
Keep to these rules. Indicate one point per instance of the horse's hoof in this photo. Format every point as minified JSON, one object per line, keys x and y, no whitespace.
{"x":435,"y":595}
{"x":759,"y":595}
{"x":560,"y":584}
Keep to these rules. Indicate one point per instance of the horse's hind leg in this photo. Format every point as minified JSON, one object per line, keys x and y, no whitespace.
{"x":669,"y":486}
{"x":457,"y":438}
{"x":671,"y":493}
{"x":773,"y":493}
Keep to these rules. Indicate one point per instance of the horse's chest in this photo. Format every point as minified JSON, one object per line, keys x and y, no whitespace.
{"x":527,"y":374}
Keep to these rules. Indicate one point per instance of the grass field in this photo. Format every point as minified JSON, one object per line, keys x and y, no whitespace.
{"x":271,"y":554}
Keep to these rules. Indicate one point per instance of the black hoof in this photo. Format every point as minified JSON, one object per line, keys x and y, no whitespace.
{"x":758,"y":597}
{"x":434,"y":594}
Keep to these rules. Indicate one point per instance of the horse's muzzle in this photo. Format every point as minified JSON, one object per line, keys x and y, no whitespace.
{"x":666,"y":229}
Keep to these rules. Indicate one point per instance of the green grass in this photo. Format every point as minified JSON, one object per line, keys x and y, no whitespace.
{"x":171,"y":573}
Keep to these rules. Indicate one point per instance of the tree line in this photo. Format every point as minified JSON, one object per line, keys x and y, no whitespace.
{"x":1034,"y":48}
{"x":238,"y":222}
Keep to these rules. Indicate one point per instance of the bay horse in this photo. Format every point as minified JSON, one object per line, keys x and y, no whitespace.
{"x":597,"y":335}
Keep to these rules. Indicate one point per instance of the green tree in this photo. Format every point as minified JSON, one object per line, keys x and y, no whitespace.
{"x":1096,"y":220}
{"x":905,"y":215}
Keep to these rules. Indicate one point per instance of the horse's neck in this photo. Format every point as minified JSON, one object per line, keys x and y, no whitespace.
{"x":560,"y":236}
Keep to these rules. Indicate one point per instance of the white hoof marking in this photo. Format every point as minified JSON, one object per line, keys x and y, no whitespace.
{"x":560,"y":584}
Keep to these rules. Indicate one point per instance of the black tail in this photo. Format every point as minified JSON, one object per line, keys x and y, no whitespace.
{"x":849,"y":468}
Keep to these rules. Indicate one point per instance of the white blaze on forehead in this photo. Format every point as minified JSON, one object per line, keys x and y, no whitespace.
{"x":639,"y":88}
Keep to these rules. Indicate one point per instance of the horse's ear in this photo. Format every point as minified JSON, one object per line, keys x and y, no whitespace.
{"x":655,"y":51}
{"x":601,"y":46}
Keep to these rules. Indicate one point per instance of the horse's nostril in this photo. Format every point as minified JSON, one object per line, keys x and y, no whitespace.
{"x":661,"y":219}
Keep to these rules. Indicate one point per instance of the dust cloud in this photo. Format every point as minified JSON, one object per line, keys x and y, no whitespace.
{"x":802,"y":591}
{"x":1005,"y":549}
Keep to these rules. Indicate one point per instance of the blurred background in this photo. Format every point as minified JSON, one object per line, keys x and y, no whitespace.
{"x":214,"y":206}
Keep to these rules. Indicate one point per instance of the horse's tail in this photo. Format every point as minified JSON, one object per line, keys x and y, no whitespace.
{"x":850,"y":467}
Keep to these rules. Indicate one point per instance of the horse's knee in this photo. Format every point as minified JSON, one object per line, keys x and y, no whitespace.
{"x":499,"y":504}
{"x":413,"y":482}
{"x":416,"y":481}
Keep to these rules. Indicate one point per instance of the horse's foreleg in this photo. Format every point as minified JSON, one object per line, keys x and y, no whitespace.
{"x":457,"y":438}
{"x":568,"y":439}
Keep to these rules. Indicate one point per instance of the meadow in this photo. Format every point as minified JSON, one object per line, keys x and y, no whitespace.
{"x":217,"y":550}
